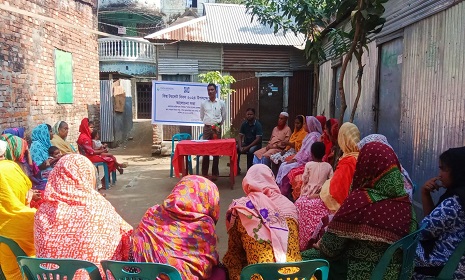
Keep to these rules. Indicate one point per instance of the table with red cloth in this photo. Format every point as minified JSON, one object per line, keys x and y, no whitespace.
{"x":218,"y":147}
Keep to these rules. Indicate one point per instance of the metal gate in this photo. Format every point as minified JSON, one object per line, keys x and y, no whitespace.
{"x":390,"y":86}
{"x":144,"y":100}
{"x":106,"y":111}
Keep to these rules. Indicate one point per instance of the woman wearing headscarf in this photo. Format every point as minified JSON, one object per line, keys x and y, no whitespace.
{"x":262,"y":226}
{"x":295,"y":142}
{"x":181,"y":231}
{"x":329,"y":138}
{"x":376,"y":214}
{"x":280,"y":134}
{"x":60,"y":133}
{"x":301,"y":158}
{"x":444,"y":224}
{"x":335,"y":190}
{"x":85,"y":145}
{"x":17,"y":219}
{"x":75,"y":221}
{"x":408,"y":183}
{"x":41,"y":136}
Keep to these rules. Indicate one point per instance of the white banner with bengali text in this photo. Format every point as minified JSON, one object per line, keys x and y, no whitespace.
{"x":177,"y":103}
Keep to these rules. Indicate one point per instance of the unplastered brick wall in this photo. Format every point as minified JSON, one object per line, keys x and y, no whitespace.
{"x":28,"y":94}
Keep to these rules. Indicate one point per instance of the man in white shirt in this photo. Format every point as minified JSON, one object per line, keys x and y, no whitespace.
{"x":212,"y":113}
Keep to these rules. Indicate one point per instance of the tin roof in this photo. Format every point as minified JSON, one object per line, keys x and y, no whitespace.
{"x":227,"y":24}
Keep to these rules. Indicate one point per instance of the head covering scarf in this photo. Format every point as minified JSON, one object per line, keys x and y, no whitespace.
{"x":16,"y":147}
{"x":40,"y":144}
{"x":378,"y":208}
{"x":298,"y":136}
{"x":263,"y":211}
{"x":335,"y":190}
{"x":85,"y":137}
{"x":181,"y":231}
{"x":379,"y":138}
{"x":60,"y":143}
{"x":17,"y":131}
{"x":322,"y":120}
{"x":314,"y":134}
{"x":17,"y":219}
{"x":333,"y":130}
{"x":457,"y":167}
{"x":74,"y":220}
{"x":3,"y":146}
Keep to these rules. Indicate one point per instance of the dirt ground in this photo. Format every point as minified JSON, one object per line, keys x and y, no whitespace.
{"x":146,"y":181}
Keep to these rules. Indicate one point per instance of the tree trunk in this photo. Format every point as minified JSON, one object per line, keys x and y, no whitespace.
{"x":316,"y":88}
{"x":348,"y":56}
{"x":358,"y":55}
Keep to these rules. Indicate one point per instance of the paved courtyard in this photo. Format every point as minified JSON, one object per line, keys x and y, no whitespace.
{"x":146,"y":182}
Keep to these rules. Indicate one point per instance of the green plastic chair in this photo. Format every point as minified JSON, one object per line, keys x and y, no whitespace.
{"x":447,"y":272}
{"x":408,"y":245}
{"x":306,"y":269}
{"x":14,"y":247}
{"x":178,"y":137}
{"x":41,"y":268}
{"x":140,"y":271}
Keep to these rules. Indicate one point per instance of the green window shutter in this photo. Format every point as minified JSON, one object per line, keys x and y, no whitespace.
{"x":64,"y":76}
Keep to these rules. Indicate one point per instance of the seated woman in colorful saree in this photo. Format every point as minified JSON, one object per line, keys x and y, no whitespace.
{"x":41,"y":136}
{"x":376,"y":214}
{"x":262,"y":226}
{"x":85,"y":146}
{"x":444,"y":224}
{"x":75,"y":221}
{"x":60,"y":133}
{"x":335,"y":190}
{"x":408,"y":183}
{"x":295,"y":142}
{"x":329,"y":138}
{"x":301,"y":158}
{"x":181,"y":231}
{"x":17,"y":218}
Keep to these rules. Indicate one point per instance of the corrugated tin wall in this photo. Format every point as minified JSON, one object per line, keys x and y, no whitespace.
{"x":255,"y":58}
{"x":364,"y":116}
{"x":246,"y":96}
{"x":106,"y":111}
{"x":401,"y":13}
{"x":300,"y":94}
{"x":208,"y":55}
{"x":433,"y":93}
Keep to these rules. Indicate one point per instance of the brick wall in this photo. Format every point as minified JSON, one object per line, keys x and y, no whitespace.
{"x":27,"y":71}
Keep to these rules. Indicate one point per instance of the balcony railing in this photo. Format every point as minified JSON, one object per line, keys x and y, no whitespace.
{"x":114,"y":49}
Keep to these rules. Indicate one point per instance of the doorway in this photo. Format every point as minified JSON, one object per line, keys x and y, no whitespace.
{"x":270,"y":98}
{"x":389,"y":93}
{"x":144,"y":100}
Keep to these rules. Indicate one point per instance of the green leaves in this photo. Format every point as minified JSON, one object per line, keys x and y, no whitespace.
{"x":216,"y":78}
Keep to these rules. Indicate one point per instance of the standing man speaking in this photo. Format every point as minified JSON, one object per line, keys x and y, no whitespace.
{"x":212,"y":114}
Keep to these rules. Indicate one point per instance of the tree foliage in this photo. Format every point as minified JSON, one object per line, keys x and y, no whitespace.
{"x":318,"y":19}
{"x":217,"y":78}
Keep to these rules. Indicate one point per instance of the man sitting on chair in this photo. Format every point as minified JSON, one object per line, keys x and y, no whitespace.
{"x":250,"y":138}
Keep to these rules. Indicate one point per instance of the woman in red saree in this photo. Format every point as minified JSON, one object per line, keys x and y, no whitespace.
{"x":85,"y":146}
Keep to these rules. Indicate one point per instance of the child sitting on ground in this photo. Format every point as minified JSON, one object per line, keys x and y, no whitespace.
{"x":316,"y":172}
{"x":315,"y":175}
{"x":98,"y":146}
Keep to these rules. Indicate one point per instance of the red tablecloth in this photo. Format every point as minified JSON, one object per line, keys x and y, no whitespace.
{"x":219,"y":147}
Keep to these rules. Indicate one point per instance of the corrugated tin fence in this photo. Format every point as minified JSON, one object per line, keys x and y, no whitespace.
{"x":106,"y":111}
{"x":433,"y":94}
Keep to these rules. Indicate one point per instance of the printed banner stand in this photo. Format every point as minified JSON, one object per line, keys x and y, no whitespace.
{"x":178,"y":103}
